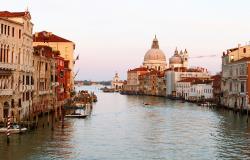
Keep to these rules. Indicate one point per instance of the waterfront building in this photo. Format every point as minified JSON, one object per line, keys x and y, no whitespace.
{"x":201,"y":90}
{"x":217,"y":88}
{"x":133,"y":83}
{"x":173,"y":75}
{"x":60,"y":78}
{"x":64,"y":46}
{"x":235,"y":78}
{"x":194,"y":89}
{"x":67,"y":79}
{"x":155,"y":58}
{"x":116,"y":83}
{"x":152,"y":83}
{"x":16,"y":65}
{"x":45,"y":80}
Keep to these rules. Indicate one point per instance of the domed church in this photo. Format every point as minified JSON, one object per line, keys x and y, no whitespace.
{"x":179,"y":59}
{"x":155,"y":58}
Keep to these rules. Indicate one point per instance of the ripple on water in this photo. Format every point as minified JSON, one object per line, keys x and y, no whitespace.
{"x":122,"y":128}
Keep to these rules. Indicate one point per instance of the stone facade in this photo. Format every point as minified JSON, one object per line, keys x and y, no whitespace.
{"x":45,"y":98}
{"x":235,"y":83}
{"x":16,"y":65}
{"x":64,"y":46}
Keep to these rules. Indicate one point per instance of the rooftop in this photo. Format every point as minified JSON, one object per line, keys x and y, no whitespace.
{"x":45,"y":36}
{"x":14,"y":14}
{"x":138,"y":69}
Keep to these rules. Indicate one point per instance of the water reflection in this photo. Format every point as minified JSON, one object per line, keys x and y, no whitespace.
{"x":121,"y":127}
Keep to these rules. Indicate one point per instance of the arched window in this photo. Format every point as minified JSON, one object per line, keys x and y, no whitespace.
{"x":1,"y":53}
{"x":7,"y":55}
{"x":4,"y":54}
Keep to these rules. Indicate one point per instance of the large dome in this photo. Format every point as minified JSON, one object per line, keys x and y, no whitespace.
{"x":155,"y":58}
{"x":154,"y":54}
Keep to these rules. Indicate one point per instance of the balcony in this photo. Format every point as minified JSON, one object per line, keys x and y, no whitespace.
{"x":6,"y":92}
{"x":26,"y":68}
{"x":8,"y":66}
{"x":43,"y":92}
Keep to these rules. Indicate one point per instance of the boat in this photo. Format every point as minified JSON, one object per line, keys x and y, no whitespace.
{"x":108,"y":90}
{"x":76,"y":115}
{"x":147,"y":104}
{"x":15,"y":129}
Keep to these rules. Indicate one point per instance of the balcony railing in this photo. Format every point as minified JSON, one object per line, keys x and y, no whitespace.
{"x":43,"y":92}
{"x":8,"y":66}
{"x":26,"y":68}
{"x":6,"y":92}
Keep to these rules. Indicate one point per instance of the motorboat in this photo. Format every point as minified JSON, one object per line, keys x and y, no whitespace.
{"x":14,"y":129}
{"x":76,"y":115}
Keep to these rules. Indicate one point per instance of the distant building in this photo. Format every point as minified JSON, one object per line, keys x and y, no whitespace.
{"x":116,"y":83}
{"x":152,"y":83}
{"x":64,"y":46}
{"x":133,"y":83}
{"x":194,"y":89}
{"x":177,"y":74}
{"x":155,"y":58}
{"x":179,"y":59}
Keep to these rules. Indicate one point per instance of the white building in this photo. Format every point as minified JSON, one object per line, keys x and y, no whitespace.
{"x":194,"y":89}
{"x":201,"y":90}
{"x":16,"y":65}
{"x":177,"y":74}
{"x":116,"y":83}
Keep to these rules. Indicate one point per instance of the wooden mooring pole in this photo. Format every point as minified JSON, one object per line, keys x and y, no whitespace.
{"x":8,"y":130}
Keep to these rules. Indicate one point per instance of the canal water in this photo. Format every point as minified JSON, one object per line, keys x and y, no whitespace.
{"x":121,"y":127}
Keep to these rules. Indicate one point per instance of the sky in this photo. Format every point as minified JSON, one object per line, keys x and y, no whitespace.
{"x":113,"y":35}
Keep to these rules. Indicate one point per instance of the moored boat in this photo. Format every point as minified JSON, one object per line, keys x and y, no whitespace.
{"x":15,"y":129}
{"x":76,"y":115}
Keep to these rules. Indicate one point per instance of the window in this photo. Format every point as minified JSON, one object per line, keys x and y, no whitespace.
{"x":13,"y":32}
{"x":244,"y":50}
{"x":8,"y":30}
{"x":32,"y":80}
{"x":231,"y":58}
{"x":242,"y":87}
{"x":12,"y":102}
{"x":5,"y":29}
{"x":19,"y":102}
{"x":27,"y":96}
{"x":1,"y":28}
{"x":1,"y":54}
{"x":20,"y":33}
{"x":230,"y":86}
{"x":27,"y":80}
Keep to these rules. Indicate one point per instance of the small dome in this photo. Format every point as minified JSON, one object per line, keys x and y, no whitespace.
{"x":176,"y":59}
